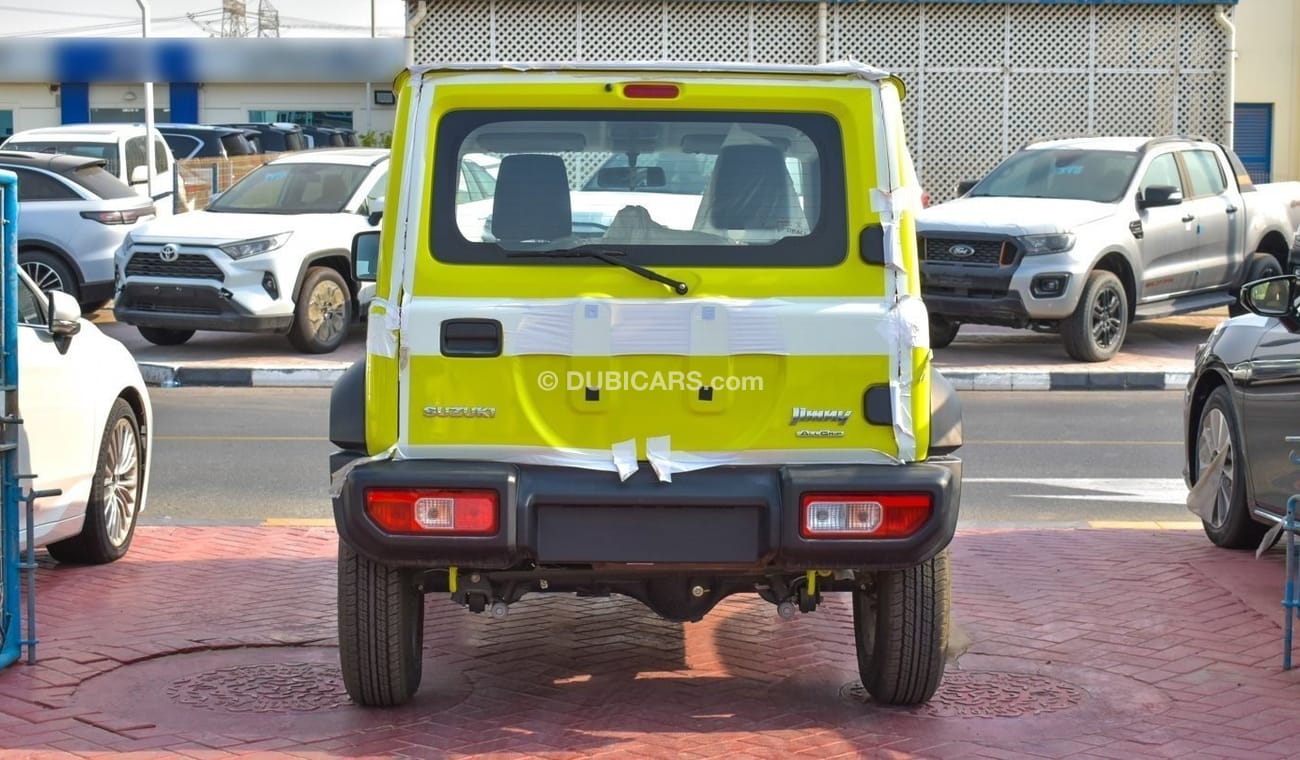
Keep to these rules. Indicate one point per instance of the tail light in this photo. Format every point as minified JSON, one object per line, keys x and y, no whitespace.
{"x":435,"y":512}
{"x":126,"y":216}
{"x":863,"y":515}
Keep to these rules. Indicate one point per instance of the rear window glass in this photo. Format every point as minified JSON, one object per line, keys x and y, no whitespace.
{"x":101,"y":183}
{"x":105,"y":151}
{"x":39,"y":186}
{"x":1203,"y":169}
{"x":670,"y":188}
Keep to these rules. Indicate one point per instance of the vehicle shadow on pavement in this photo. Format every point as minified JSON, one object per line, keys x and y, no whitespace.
{"x":224,"y":638}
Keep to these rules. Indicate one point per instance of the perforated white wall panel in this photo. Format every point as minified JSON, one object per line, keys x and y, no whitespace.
{"x":982,"y":79}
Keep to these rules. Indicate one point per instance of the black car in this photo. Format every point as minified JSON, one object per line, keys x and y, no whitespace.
{"x":1242,"y":402}
{"x":324,"y":137}
{"x":276,"y":137}
{"x":205,"y":141}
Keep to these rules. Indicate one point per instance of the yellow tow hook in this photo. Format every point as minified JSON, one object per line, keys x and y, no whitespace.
{"x":452,"y":576}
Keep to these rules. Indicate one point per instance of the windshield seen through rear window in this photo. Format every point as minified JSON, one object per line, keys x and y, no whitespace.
{"x":672,"y":188}
{"x":293,"y":189}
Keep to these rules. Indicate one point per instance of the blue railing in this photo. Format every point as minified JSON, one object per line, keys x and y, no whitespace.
{"x":11,"y":640}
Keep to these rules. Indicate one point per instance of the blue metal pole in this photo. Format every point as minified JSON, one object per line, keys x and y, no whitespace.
{"x":11,"y":615}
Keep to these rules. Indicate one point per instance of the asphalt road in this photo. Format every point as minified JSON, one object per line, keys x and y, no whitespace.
{"x":249,"y":455}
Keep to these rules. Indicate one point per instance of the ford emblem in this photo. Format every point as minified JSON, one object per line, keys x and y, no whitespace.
{"x":961,"y":251}
{"x":169,"y":253}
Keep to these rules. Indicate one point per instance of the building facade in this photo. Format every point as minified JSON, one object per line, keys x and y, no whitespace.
{"x":982,"y":77}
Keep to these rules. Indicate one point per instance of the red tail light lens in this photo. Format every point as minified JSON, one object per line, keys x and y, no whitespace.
{"x":128,"y":216}
{"x":435,"y":512}
{"x":661,"y":91}
{"x":863,"y":515}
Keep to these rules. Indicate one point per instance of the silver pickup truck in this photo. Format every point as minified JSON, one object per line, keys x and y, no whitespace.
{"x":1084,"y":236}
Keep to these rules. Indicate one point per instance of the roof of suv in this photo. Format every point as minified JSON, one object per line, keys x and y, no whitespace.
{"x":1125,"y":144}
{"x":198,"y":128}
{"x":55,"y":162}
{"x":354,"y":156}
{"x":87,"y":132}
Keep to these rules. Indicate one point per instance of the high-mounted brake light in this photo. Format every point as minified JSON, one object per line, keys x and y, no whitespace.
{"x":863,"y":515}
{"x":646,"y":90}
{"x":437,"y":512}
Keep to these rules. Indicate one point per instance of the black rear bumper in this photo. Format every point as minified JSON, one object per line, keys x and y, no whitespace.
{"x":744,"y":518}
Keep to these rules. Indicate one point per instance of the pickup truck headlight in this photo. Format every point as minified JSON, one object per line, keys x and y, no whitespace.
{"x":245,"y":248}
{"x":1056,"y":242}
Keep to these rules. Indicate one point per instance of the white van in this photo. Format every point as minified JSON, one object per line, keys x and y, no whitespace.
{"x":122,"y":147}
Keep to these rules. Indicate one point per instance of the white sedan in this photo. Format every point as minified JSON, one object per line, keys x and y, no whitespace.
{"x":86,"y":429}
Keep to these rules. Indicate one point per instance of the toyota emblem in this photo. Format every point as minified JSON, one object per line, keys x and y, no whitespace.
{"x":169,"y":253}
{"x":961,"y":251}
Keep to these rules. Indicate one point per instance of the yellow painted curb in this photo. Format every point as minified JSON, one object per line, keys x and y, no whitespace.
{"x":298,"y":522}
{"x":1141,"y":525}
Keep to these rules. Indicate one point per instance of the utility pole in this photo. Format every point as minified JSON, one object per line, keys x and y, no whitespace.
{"x":150,"y":149}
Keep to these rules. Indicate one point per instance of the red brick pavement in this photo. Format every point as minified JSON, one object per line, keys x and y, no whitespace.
{"x":216,"y":642}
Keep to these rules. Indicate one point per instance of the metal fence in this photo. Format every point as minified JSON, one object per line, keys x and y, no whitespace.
{"x":982,"y":78}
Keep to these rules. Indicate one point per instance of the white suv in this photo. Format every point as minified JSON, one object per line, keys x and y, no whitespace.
{"x":86,"y":429}
{"x":271,"y":254}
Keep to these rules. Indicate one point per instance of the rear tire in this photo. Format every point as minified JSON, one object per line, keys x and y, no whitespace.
{"x":1095,"y":331}
{"x":1258,"y":266}
{"x":49,"y":272}
{"x":942,"y":331}
{"x":323,"y":314}
{"x":1230,"y":526}
{"x":901,"y":631}
{"x":161,"y":336}
{"x":381,"y":630}
{"x":114,"y":495}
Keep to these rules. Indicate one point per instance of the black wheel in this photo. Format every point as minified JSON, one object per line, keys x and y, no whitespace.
{"x":49,"y":272}
{"x":1230,"y":524}
{"x":901,"y":630}
{"x":1096,"y":329}
{"x":114,"y":494}
{"x":942,"y":331}
{"x":381,"y":630}
{"x":1258,"y":266}
{"x":323,"y":313}
{"x":161,"y":336}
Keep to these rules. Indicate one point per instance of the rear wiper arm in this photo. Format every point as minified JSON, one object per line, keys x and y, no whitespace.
{"x":609,"y":257}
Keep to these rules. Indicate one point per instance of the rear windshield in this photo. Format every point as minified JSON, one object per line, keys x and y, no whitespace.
{"x":670,"y":188}
{"x":101,"y":183}
{"x":1088,"y":175}
{"x":237,"y":145}
{"x":105,"y":151}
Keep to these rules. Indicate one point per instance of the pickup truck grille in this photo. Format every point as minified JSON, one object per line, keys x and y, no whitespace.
{"x":187,"y":266}
{"x":983,"y":252}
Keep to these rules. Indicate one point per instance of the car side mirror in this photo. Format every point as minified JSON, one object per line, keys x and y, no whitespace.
{"x":365,"y":256}
{"x":140,"y":175}
{"x":375,"y":211}
{"x":1271,"y":297}
{"x":1160,"y":195}
{"x":64,"y":317}
{"x":965,"y":186}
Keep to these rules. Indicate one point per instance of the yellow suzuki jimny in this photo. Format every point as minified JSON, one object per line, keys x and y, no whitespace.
{"x":652,"y":330}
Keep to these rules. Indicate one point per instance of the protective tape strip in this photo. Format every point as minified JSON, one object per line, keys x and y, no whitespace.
{"x":594,"y":459}
{"x":338,"y":478}
{"x":382,"y":328}
{"x":624,"y":454}
{"x":891,"y":203}
{"x":910,"y":323}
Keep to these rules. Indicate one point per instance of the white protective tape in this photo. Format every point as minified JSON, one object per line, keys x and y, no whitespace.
{"x":382,"y":328}
{"x":339,"y":477}
{"x":684,"y":327}
{"x":624,"y":455}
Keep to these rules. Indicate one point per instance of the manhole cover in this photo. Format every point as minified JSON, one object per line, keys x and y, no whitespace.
{"x":991,"y":694}
{"x":266,"y":687}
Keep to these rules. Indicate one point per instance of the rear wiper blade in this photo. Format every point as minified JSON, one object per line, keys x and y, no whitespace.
{"x":609,"y":257}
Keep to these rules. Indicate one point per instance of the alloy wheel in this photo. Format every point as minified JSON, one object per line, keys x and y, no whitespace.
{"x":1107,"y":317}
{"x":1215,"y":437}
{"x":120,"y":479}
{"x":325,"y":311}
{"x":45,"y":277}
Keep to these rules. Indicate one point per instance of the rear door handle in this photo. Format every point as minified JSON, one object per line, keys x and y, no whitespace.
{"x":1189,"y":218}
{"x":471,"y":338}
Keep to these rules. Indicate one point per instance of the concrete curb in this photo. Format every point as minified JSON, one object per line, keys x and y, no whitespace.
{"x":177,"y":376}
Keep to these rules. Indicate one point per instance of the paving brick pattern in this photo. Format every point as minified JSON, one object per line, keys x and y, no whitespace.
{"x":203,"y":643}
